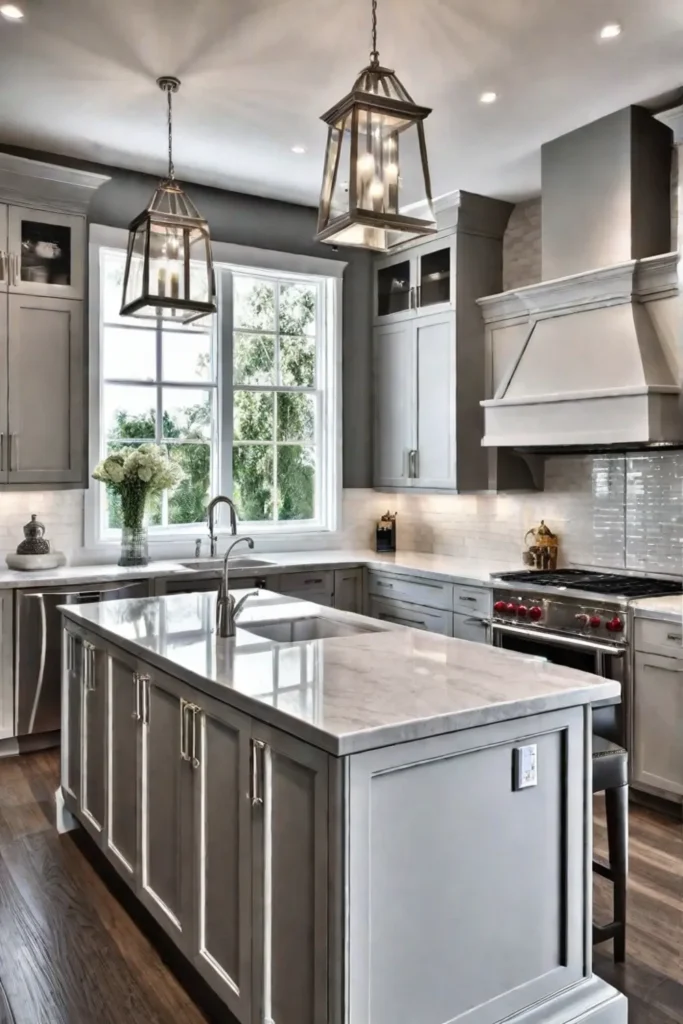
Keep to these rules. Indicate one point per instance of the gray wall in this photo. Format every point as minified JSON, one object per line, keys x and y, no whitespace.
{"x":268,"y":224}
{"x":606,"y":193}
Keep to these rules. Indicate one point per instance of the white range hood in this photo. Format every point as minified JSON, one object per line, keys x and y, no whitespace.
{"x":592,"y":369}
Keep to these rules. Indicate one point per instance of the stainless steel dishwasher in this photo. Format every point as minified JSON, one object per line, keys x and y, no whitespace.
{"x":38,"y":648}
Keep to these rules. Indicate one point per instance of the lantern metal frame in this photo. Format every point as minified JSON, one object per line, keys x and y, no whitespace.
{"x":377,"y":90}
{"x":169,"y":208}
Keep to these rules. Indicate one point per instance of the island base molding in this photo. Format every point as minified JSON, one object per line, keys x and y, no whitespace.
{"x":591,"y":1002}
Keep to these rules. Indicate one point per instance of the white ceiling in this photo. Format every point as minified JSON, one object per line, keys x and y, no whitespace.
{"x":77,"y":78}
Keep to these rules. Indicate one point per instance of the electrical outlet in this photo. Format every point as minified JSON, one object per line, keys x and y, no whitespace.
{"x":525,"y":767}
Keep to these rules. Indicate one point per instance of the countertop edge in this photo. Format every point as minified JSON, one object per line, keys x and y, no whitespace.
{"x":367,"y":739}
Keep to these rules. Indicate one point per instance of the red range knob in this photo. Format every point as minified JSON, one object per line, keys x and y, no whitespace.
{"x":500,"y":606}
{"x":596,"y":621}
{"x":615,"y":625}
{"x":582,"y":619}
{"x":522,"y":611}
{"x":535,"y":613}
{"x":511,"y":608}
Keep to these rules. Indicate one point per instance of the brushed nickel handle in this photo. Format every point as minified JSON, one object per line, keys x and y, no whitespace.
{"x":676,"y":637}
{"x":15,"y":268}
{"x":3,"y":265}
{"x":257,"y":749}
{"x":144,"y":681}
{"x":136,"y":683}
{"x":13,"y":450}
{"x":194,"y":760}
{"x":381,"y":583}
{"x":184,"y":705}
{"x":400,"y":620}
{"x":470,"y":600}
{"x":2,"y":453}
{"x":88,"y":666}
{"x":311,"y":581}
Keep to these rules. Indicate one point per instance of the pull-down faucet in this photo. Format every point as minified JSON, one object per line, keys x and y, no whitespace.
{"x":226,"y":606}
{"x":209,"y":515}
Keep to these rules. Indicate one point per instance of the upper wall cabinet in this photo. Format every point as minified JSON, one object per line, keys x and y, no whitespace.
{"x":429,"y":358}
{"x":43,"y":386}
{"x":45,"y":252}
{"x":418,"y":280}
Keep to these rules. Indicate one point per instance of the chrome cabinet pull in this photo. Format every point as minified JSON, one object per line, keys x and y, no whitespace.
{"x":311,"y":582}
{"x":13,"y":450}
{"x":381,"y":583}
{"x":2,"y":453}
{"x":136,"y":683}
{"x":194,"y":760}
{"x":472,"y":621}
{"x":3,"y":266}
{"x":401,"y":621}
{"x":144,"y":681}
{"x":89,"y":682}
{"x":257,"y":749}
{"x":184,"y":707}
{"x":470,"y":600}
{"x":412,"y":464}
{"x":676,"y":637}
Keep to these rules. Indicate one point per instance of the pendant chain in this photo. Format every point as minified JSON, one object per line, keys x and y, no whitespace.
{"x":171,"y":168}
{"x":374,"y":55}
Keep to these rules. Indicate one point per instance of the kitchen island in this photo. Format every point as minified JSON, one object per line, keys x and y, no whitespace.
{"x":339,"y":821}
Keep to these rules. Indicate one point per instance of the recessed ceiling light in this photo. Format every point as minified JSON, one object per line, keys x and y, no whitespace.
{"x":11,"y":12}
{"x":610,"y":31}
{"x":298,"y":150}
{"x":488,"y":97}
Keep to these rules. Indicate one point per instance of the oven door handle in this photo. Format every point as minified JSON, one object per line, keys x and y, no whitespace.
{"x":560,"y":641}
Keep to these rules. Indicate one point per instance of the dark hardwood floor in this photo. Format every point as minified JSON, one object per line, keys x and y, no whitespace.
{"x":70,"y":954}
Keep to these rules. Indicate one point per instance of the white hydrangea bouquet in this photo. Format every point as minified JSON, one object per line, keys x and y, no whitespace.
{"x":135,"y":475}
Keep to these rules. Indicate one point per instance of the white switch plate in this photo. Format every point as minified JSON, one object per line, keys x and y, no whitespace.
{"x":525,"y":766}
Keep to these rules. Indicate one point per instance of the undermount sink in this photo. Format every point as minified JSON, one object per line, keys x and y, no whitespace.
{"x":316,"y":627}
{"x":238,"y":562}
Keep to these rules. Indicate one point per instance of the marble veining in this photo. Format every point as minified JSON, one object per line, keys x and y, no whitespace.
{"x":343,"y":694}
{"x":11,"y":579}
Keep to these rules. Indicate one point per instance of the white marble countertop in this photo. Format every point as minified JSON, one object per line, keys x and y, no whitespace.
{"x":414,"y":563}
{"x":10,"y":579}
{"x":668,"y":609}
{"x":344,"y":694}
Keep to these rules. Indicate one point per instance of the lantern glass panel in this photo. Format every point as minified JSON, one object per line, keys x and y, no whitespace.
{"x":135,"y":283}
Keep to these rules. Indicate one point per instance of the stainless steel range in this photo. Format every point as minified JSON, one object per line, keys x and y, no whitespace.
{"x":579,"y":618}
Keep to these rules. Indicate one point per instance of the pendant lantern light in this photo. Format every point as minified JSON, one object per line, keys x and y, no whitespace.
{"x":376,"y":190}
{"x":169,"y":271}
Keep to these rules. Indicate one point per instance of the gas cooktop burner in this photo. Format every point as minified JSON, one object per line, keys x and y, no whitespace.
{"x":595,"y":582}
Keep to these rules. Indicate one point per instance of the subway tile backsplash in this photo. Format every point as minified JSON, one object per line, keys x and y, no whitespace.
{"x":611,"y":511}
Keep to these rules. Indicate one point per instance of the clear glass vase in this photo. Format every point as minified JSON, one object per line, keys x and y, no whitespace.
{"x":134,"y":549}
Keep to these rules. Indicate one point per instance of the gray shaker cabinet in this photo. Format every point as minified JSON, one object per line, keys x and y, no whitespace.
{"x":42,"y":360}
{"x":290,"y":879}
{"x":124,"y":748}
{"x":394,"y":370}
{"x":657,"y":751}
{"x":94,"y":668}
{"x":348,"y":590}
{"x":222,"y":840}
{"x":165,"y":883}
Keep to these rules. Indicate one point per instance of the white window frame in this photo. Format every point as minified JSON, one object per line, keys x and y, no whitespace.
{"x":269,"y":534}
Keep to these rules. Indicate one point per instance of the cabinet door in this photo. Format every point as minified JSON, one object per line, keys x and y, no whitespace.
{"x":47,"y":253}
{"x":394,"y":381}
{"x":435,"y":276}
{"x":4,"y":390}
{"x":348,"y":590}
{"x":123,"y":747}
{"x":4,"y":255}
{"x":317,"y":586}
{"x":290,"y":882}
{"x":72,"y":697}
{"x":165,"y":808}
{"x":6,"y":664}
{"x":436,"y":449}
{"x":45,"y":367}
{"x":222,"y":852}
{"x":657,"y":715}
{"x":469,"y":627}
{"x":394,"y":297}
{"x":93,"y":749}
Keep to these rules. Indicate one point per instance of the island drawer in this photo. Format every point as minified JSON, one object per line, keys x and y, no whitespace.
{"x":415,"y":616}
{"x":471,"y":600}
{"x":430,"y":593}
{"x":659,"y":636}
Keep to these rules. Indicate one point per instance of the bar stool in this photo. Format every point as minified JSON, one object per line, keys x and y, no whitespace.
{"x":610,"y":775}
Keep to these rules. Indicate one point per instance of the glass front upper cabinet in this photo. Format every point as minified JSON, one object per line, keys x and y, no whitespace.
{"x":434,"y":278}
{"x":45,"y":253}
{"x":418,"y":280}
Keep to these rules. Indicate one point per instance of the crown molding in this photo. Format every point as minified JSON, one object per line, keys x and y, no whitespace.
{"x":47,"y":186}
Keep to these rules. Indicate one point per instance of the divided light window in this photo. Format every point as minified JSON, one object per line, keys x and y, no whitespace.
{"x":276,"y":398}
{"x":243,"y":401}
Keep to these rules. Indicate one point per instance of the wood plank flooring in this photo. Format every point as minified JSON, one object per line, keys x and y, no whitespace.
{"x":70,"y":954}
